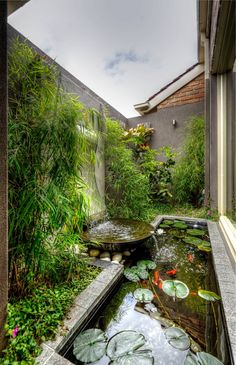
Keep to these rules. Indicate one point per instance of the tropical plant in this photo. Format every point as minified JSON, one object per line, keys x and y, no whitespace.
{"x":127,"y":188}
{"x":47,"y":150}
{"x":188,"y":177}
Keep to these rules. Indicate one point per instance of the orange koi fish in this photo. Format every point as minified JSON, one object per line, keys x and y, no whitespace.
{"x":190,"y":257}
{"x":171,"y":272}
{"x":156,"y":277}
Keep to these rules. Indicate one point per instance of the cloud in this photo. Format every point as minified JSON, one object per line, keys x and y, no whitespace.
{"x":116,"y":64}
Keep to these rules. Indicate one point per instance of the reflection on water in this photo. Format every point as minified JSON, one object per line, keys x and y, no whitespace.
{"x":199,"y":318}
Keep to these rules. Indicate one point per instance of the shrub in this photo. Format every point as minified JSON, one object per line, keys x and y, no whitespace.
{"x":188,"y":179}
{"x":46,"y":154}
{"x":127,"y":188}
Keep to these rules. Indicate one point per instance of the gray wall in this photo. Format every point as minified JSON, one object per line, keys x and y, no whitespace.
{"x":165,"y":133}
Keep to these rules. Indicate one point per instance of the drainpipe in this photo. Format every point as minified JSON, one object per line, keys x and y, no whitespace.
{"x":3,"y":173}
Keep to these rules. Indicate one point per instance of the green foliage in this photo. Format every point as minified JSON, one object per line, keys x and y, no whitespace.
{"x":188,"y":179}
{"x":47,"y":203}
{"x":127,"y":189}
{"x":39,"y":315}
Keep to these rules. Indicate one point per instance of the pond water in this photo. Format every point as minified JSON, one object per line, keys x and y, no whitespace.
{"x":201,"y":319}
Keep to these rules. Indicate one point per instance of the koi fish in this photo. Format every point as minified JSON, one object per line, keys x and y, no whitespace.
{"x":156,"y":277}
{"x":171,"y":272}
{"x":160,"y":285}
{"x":193,"y":293}
{"x":190,"y":257}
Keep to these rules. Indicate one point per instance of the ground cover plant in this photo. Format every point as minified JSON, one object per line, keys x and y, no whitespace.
{"x":35,"y":318}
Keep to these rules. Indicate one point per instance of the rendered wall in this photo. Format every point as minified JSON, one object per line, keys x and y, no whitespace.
{"x":165,"y":132}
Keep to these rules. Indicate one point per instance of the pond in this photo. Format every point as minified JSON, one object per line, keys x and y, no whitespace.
{"x":168,"y":312}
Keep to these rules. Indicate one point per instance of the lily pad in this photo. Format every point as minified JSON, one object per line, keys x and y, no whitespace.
{"x":180,"y":225}
{"x":202,"y":358}
{"x":193,"y":240}
{"x":162,"y":225}
{"x":196,"y":232}
{"x":204,"y":248}
{"x":131,"y":274}
{"x":90,"y":345}
{"x":146,"y":264}
{"x":151,"y":308}
{"x":143,"y":295}
{"x":208,"y":295}
{"x":175,"y":288}
{"x":168,"y":222}
{"x":138,"y":358}
{"x":124,"y":343}
{"x":207,"y":359}
{"x":177,"y":338}
{"x":176,"y":233}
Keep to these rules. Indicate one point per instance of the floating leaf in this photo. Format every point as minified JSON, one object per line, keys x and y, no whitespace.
{"x":202,"y":358}
{"x":131,"y":274}
{"x":176,"y":233}
{"x":143,"y":274}
{"x":196,"y":232}
{"x":175,"y":288}
{"x":208,"y":295}
{"x":193,"y":240}
{"x":143,"y":295}
{"x":138,"y":358}
{"x":204,"y":248}
{"x":90,"y":345}
{"x":146,"y":264}
{"x":177,"y":338}
{"x":168,"y":222}
{"x":150,"y":307}
{"x":180,"y":225}
{"x":162,"y":225}
{"x":124,"y":343}
{"x":207,"y":359}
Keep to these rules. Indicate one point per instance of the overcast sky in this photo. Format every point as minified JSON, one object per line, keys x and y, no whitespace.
{"x":123,"y":50}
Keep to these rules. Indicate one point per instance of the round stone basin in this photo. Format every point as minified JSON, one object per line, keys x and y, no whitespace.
{"x":118,"y":234}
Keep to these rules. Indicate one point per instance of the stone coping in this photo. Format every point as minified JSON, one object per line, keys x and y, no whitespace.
{"x":84,"y":304}
{"x":97,"y":291}
{"x":225,"y":275}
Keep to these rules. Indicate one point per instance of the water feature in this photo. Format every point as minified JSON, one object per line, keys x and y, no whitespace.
{"x":119,"y":234}
{"x":182,"y":259}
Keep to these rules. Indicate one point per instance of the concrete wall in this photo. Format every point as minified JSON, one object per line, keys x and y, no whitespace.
{"x":165,"y":132}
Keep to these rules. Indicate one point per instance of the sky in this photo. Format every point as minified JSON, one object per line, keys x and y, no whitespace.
{"x":124,"y":50}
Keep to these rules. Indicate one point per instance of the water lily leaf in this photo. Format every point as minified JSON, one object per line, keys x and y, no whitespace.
{"x":207,"y":359}
{"x":124,"y":343}
{"x":143,"y":295}
{"x":138,"y":358}
{"x":204,"y":248}
{"x":143,"y":274}
{"x":191,"y":359}
{"x":131,"y":274}
{"x":180,"y":225}
{"x":208,"y":295}
{"x":193,"y":240}
{"x":176,"y":233}
{"x":162,"y":225}
{"x":150,"y":307}
{"x":146,"y":264}
{"x":168,"y":222}
{"x":175,"y":288}
{"x":90,"y":345}
{"x":196,"y":232}
{"x":177,"y":338}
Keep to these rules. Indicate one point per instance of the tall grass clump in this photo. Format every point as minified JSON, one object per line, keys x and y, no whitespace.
{"x":127,"y":188}
{"x":188,"y":178}
{"x":47,"y":204}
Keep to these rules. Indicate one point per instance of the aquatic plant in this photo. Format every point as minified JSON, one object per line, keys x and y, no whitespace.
{"x":208,"y":295}
{"x":193,"y":240}
{"x":146,"y":264}
{"x":143,"y":295}
{"x":135,"y":273}
{"x":168,"y":222}
{"x":180,"y":225}
{"x":123,"y":348}
{"x":196,"y":232}
{"x":177,"y":338}
{"x":90,"y":345}
{"x":201,"y":358}
{"x":175,"y":289}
